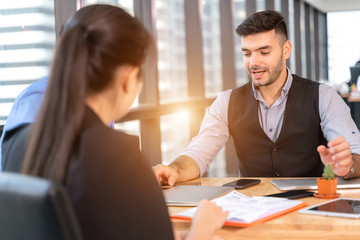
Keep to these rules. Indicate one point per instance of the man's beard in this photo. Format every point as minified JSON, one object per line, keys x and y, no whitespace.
{"x":273,"y":73}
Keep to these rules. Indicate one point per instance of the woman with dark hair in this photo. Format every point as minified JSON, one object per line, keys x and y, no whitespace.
{"x":95,"y":78}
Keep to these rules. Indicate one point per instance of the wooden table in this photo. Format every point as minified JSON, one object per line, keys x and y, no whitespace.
{"x":290,"y":226}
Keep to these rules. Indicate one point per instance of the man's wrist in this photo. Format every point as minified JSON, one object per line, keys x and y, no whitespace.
{"x":351,"y":172}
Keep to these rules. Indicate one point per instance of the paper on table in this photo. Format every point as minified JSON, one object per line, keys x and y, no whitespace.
{"x":244,"y":209}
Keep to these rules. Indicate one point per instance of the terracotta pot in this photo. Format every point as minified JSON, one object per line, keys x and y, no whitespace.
{"x":326,"y":188}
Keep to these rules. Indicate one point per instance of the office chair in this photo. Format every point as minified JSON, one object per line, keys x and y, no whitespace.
{"x":354,"y":73}
{"x":35,"y":209}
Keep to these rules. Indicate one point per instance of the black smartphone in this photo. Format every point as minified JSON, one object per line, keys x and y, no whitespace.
{"x":242,"y":183}
{"x":292,"y":194}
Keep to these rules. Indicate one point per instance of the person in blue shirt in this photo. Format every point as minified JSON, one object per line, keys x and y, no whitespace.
{"x":25,"y":107}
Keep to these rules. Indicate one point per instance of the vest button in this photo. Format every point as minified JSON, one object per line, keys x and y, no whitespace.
{"x":277,"y":174}
{"x":275,"y":149}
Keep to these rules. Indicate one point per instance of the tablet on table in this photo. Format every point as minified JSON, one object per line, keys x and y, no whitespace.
{"x":341,"y":207}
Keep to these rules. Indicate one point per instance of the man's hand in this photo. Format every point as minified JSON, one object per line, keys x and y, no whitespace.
{"x":183,"y":168}
{"x":338,"y":155}
{"x":166,"y":175}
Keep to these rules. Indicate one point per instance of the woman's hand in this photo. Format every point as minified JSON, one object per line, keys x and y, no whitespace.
{"x":208,"y":219}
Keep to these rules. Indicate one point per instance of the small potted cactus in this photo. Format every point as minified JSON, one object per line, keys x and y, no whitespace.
{"x":327,"y":184}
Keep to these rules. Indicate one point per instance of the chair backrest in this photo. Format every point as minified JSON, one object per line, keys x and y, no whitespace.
{"x":34,"y":208}
{"x":354,"y":72}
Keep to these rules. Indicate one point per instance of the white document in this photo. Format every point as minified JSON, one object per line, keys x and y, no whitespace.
{"x":246,"y":209}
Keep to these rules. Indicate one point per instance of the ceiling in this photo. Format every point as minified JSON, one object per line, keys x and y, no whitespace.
{"x":335,"y":5}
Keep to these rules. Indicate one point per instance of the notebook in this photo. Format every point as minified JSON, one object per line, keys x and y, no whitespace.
{"x":310,"y":183}
{"x":184,"y":195}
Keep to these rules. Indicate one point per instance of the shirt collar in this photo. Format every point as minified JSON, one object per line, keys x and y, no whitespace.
{"x":284,"y":91}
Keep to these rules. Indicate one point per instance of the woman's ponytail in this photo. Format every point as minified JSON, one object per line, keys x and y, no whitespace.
{"x":58,"y":124}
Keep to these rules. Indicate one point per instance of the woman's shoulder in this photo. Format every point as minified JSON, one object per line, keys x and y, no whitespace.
{"x":106,"y":137}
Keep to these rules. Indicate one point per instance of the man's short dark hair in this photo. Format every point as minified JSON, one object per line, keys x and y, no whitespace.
{"x":262,"y":22}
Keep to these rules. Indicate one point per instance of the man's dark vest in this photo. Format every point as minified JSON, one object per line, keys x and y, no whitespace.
{"x":294,"y":153}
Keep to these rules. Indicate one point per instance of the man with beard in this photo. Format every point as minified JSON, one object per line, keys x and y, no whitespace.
{"x":282,"y":125}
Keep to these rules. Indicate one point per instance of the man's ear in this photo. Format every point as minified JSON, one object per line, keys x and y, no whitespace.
{"x":287,"y":49}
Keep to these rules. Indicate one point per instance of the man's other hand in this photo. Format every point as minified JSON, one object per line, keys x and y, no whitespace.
{"x":338,"y":155}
